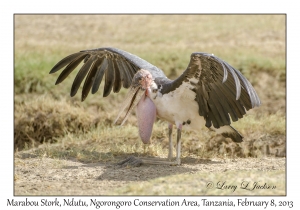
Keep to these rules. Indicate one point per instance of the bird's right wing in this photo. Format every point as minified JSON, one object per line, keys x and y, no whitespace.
{"x":117,"y":66}
{"x":220,"y":89}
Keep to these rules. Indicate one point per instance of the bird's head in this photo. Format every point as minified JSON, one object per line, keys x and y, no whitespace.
{"x":142,"y":79}
{"x":140,"y":87}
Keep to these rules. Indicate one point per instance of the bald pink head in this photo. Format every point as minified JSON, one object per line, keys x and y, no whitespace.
{"x":143,"y":79}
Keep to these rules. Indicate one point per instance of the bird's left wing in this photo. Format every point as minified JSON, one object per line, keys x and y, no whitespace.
{"x":220,"y":89}
{"x":115,"y":65}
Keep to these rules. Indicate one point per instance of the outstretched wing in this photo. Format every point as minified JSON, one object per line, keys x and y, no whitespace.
{"x":220,"y":89}
{"x":117,"y":66}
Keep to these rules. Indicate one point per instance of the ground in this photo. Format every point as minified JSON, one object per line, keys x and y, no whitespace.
{"x":47,"y":176}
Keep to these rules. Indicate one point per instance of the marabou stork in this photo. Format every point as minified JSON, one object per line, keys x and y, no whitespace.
{"x":209,"y":92}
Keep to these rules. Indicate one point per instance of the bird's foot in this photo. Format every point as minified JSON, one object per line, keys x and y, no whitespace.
{"x":131,"y":161}
{"x":136,"y":162}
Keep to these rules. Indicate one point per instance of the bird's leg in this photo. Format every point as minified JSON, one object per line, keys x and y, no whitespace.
{"x":170,"y":156}
{"x":133,"y":161}
{"x":178,"y":145}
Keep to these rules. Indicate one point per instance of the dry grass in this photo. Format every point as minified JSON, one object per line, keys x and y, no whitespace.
{"x":36,"y":121}
{"x":107,"y":142}
{"x":255,"y":44}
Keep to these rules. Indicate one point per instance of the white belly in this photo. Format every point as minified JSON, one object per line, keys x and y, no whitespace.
{"x":179,"y":107}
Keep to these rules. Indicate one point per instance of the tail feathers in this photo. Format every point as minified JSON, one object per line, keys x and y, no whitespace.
{"x":230,"y":132}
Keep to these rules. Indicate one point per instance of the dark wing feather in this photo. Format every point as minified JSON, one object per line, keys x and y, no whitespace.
{"x":81,"y":74}
{"x":66,"y":61}
{"x":72,"y":65}
{"x":109,"y":78}
{"x":90,"y":79}
{"x":99,"y":75}
{"x":127,"y":77}
{"x":220,"y":89}
{"x":118,"y":79}
{"x":116,"y":66}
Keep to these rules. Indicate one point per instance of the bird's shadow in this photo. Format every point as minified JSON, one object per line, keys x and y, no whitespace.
{"x":110,"y":170}
{"x":146,"y":172}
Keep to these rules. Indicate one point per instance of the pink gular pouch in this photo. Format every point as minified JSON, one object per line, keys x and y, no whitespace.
{"x":146,"y":115}
{"x":145,"y":110}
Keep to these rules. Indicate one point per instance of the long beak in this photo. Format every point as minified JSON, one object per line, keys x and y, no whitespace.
{"x":132,"y":99}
